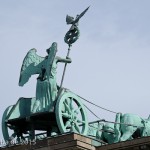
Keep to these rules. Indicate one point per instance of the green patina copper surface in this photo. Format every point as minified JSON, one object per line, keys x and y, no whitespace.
{"x":60,"y":110}
{"x":46,"y":88}
{"x":125,"y":127}
{"x":53,"y":109}
{"x":73,"y":34}
{"x":4,"y":123}
{"x":70,"y":107}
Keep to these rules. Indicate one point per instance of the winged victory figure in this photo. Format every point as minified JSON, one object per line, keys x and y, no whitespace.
{"x":46,"y":88}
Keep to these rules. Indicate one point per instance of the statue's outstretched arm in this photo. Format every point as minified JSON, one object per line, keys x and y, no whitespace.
{"x":67,"y":60}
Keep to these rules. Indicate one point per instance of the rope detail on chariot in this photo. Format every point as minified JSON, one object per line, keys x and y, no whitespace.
{"x":123,"y":124}
{"x":98,"y":105}
{"x":103,"y":120}
{"x":91,"y":111}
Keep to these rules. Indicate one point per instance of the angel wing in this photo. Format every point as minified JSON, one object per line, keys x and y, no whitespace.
{"x":32,"y":64}
{"x":79,"y":16}
{"x":69,"y":19}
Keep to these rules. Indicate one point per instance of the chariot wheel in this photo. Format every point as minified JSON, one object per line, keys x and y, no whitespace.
{"x":70,"y":114}
{"x":5,"y":128}
{"x":8,"y":130}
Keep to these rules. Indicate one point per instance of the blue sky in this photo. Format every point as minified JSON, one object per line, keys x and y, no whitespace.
{"x":110,"y":61}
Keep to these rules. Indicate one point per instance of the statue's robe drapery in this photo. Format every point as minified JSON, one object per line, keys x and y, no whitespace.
{"x":46,"y":91}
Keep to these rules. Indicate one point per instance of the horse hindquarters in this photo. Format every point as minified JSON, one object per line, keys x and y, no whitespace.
{"x":128,"y":130}
{"x":127,"y":133}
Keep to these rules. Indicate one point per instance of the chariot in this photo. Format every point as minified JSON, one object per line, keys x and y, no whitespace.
{"x":68,"y":115}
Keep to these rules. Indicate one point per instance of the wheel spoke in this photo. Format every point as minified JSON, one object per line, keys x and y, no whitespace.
{"x":67,"y":100}
{"x":66,"y":115}
{"x":80,"y":121}
{"x":77,"y":110}
{"x":71,"y":103}
{"x":77,"y":127}
{"x":67,"y":124}
{"x":71,"y":114}
{"x":73,"y":129}
{"x":67,"y":108}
